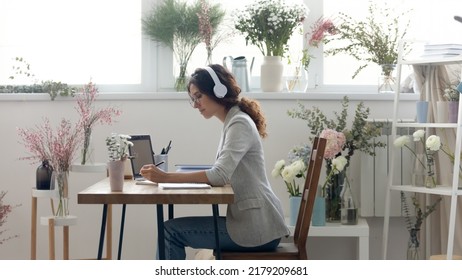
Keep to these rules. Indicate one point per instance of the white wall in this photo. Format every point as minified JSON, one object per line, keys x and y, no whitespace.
{"x":169,"y":117}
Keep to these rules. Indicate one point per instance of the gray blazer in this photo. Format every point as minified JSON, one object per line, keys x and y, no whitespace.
{"x":256,"y":216}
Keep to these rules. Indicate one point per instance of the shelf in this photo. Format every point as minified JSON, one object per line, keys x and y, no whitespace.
{"x":59,"y":221}
{"x":433,"y":61}
{"x":45,"y":193}
{"x":440,"y":190}
{"x":89,"y":168}
{"x":428,"y":125}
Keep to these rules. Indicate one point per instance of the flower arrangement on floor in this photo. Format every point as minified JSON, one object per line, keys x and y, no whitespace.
{"x":414,"y":223}
{"x":90,"y":116}
{"x":57,"y":145}
{"x":341,"y":141}
{"x":296,"y":169}
{"x":370,"y":40}
{"x":430,"y":146}
{"x":5,"y":210}
{"x":269,"y":24}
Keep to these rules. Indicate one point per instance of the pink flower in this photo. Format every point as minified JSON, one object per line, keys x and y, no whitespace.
{"x":321,"y":28}
{"x":335,"y":142}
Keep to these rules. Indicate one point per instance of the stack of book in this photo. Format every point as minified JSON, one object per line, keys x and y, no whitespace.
{"x":442,"y":50}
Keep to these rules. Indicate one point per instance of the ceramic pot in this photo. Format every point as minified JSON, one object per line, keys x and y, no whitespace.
{"x":294,"y":204}
{"x":116,"y":171}
{"x":271,"y":74}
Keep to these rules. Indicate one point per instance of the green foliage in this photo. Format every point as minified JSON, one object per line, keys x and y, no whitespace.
{"x":175,"y":24}
{"x":269,"y":24}
{"x":369,"y":41}
{"x":49,"y":86}
{"x":420,"y":215}
{"x":359,"y":137}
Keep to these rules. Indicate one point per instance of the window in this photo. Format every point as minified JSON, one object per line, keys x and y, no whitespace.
{"x":73,"y":41}
{"x":427,"y":22}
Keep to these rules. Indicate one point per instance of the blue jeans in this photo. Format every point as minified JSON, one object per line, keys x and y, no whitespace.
{"x":199,"y":232}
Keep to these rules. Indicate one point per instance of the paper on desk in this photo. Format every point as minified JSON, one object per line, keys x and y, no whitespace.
{"x":184,"y":186}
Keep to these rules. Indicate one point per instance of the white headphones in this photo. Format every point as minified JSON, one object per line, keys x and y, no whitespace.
{"x":219,"y":89}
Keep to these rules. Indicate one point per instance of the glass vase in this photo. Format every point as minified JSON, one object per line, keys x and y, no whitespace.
{"x":430,"y":178}
{"x":87,"y":148}
{"x":348,"y":209}
{"x":387,"y":81}
{"x":413,"y":245}
{"x":181,"y":80}
{"x":419,"y":171}
{"x":333,"y":198}
{"x":296,"y":79}
{"x":62,"y":181}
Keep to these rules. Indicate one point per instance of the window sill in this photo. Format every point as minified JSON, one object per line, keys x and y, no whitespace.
{"x":183,"y":96}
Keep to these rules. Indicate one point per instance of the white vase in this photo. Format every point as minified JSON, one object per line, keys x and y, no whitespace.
{"x":271,"y":74}
{"x":442,"y":111}
{"x":116,"y":170}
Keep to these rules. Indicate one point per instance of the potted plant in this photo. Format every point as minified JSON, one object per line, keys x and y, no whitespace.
{"x":293,"y":173}
{"x":269,"y":24}
{"x":117,"y":147}
{"x":175,"y":24}
{"x":371,"y":40}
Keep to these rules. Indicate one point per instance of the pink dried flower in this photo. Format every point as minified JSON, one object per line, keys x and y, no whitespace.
{"x":335,"y":142}
{"x":58,"y":146}
{"x":5,"y":210}
{"x":321,"y":28}
{"x":205,"y":27}
{"x":91,"y":116}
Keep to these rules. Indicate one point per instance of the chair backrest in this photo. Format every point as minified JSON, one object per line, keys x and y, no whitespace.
{"x":309,"y":194}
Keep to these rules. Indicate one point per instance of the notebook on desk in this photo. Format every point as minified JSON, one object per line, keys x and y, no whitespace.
{"x":141,"y":153}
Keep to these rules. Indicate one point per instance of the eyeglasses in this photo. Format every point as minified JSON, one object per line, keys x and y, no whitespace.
{"x":195,"y":100}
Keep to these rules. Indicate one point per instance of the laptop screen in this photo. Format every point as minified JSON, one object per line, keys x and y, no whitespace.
{"x":141,"y":153}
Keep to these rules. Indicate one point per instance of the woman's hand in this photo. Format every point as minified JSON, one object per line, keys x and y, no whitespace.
{"x":153,"y":173}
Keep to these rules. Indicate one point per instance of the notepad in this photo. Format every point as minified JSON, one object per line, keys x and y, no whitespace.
{"x":171,"y":186}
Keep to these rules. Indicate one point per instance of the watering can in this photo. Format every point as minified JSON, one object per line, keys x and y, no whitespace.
{"x":240,"y":70}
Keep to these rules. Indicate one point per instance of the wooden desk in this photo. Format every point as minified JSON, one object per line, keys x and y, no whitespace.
{"x":100,"y":193}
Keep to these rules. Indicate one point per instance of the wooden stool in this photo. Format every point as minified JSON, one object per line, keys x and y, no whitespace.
{"x":33,"y":237}
{"x":65,"y":222}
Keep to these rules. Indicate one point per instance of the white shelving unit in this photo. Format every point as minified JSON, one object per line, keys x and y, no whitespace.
{"x":451,"y":191}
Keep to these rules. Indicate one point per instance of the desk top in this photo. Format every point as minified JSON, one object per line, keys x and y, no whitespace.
{"x":100,"y":193}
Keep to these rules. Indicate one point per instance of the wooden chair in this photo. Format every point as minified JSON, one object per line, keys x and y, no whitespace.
{"x":297,"y":249}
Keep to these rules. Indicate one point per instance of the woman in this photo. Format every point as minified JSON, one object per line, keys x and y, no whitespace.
{"x":255,"y":221}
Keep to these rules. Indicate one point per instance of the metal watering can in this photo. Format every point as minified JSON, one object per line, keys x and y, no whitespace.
{"x":240,"y":70}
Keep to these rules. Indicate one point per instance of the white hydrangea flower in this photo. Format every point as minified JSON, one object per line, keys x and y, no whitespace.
{"x":418,"y":135}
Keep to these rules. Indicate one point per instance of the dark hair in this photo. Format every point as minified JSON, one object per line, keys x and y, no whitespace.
{"x":204,"y":82}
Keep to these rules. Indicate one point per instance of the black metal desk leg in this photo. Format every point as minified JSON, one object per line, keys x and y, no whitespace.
{"x":215,"y":224}
{"x":121,"y":236}
{"x":160,"y":231}
{"x":103,"y":232}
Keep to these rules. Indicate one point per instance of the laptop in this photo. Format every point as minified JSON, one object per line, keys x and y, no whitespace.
{"x":141,"y":153}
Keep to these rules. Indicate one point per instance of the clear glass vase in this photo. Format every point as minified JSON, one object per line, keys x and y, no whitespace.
{"x":87,"y":148}
{"x":348,"y":209}
{"x":430,"y":178}
{"x":387,"y":80}
{"x":333,"y":198}
{"x":62,"y":181}
{"x":413,"y":245}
